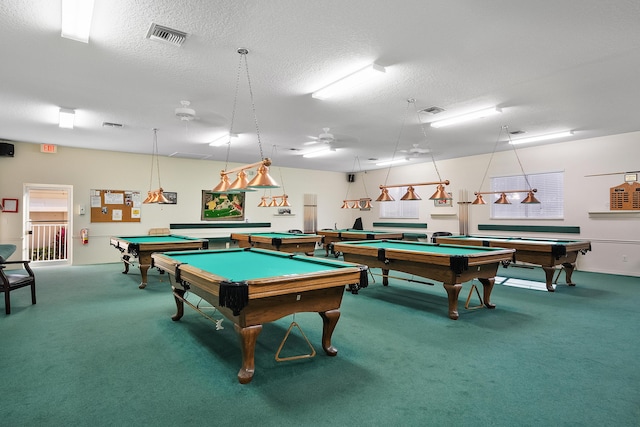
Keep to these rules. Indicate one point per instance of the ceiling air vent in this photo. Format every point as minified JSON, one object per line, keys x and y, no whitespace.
{"x":166,"y":35}
{"x":432,"y":110}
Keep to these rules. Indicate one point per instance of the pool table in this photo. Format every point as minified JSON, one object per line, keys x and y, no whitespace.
{"x":253,"y":286}
{"x":329,"y":237}
{"x":284,"y":242}
{"x":142,"y":247}
{"x":450,"y":264}
{"x":546,"y":253}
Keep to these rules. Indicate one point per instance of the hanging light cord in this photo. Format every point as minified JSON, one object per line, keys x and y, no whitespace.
{"x":243,"y":55}
{"x":424,"y":133}
{"x":233,"y":112}
{"x":395,"y":150}
{"x":273,"y":155}
{"x":353,"y":168}
{"x":526,"y":180}
{"x":153,"y":155}
{"x":364,"y":185}
{"x":155,"y":148}
{"x":495,"y":146}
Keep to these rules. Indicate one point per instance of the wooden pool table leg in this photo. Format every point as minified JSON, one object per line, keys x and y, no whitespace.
{"x":385,"y":277}
{"x":329,"y":322}
{"x":452,"y":293}
{"x":568,"y":268}
{"x":248,"y":337}
{"x":548,"y":272}
{"x":178,"y":296}
{"x":487,"y":287}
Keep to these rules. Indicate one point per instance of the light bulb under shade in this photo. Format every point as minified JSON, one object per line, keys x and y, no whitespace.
{"x":440,"y":194}
{"x":479,"y":200}
{"x":410,"y":194}
{"x":530,"y":199}
{"x":502,"y":200}
{"x":385,"y":197}
{"x":262,"y":179}
{"x":223,"y":186}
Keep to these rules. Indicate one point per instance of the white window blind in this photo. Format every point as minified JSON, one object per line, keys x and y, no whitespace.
{"x":550,"y":193}
{"x":399,"y":208}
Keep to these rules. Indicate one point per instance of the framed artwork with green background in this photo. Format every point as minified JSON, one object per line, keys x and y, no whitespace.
{"x":222,"y":206}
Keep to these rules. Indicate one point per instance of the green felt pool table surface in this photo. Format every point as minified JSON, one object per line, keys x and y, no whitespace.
{"x":546,"y":253}
{"x":450,"y":264}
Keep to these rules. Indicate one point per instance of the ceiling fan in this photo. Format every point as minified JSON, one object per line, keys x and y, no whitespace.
{"x":415,"y":151}
{"x":186,"y":114}
{"x":328,"y":138}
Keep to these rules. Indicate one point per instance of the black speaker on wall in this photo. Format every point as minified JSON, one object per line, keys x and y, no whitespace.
{"x":351,"y":177}
{"x":6,"y":149}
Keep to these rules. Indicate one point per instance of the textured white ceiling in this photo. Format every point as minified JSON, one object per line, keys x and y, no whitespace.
{"x":550,"y":66}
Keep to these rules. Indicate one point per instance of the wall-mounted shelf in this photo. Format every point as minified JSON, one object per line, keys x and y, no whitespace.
{"x":614,"y":213}
{"x":444,"y":214}
{"x":284,"y":215}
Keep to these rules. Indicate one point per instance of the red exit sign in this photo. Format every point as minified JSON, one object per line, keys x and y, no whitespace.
{"x":48,"y":148}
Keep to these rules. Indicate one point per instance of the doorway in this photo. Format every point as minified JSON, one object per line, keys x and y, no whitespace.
{"x":47,"y":224}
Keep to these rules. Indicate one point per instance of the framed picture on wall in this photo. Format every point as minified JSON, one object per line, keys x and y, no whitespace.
{"x":222,"y":206}
{"x":10,"y":205}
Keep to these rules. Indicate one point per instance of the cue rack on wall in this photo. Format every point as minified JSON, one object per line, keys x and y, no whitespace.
{"x":115,"y":206}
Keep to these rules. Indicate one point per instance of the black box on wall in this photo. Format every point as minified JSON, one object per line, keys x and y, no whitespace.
{"x":351,"y":177}
{"x":6,"y":149}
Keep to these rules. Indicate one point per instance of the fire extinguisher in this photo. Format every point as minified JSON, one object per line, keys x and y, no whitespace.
{"x":84,"y":235}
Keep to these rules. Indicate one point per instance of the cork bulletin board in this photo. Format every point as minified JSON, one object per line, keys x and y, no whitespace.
{"x":115,"y":206}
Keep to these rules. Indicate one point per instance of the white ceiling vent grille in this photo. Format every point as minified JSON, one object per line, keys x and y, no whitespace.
{"x":166,"y":35}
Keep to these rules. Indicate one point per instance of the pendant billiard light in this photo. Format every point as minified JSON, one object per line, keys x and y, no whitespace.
{"x":361,"y":203}
{"x":155,"y":196}
{"x":262,"y":178}
{"x":440,"y":194}
{"x":503,"y":199}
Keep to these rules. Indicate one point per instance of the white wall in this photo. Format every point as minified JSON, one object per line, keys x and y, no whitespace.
{"x":92,"y":169}
{"x":613,"y":237}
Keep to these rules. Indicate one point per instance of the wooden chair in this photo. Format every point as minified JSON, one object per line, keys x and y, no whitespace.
{"x":11,"y":280}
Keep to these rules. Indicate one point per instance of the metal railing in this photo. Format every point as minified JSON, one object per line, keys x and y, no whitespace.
{"x":48,"y":241}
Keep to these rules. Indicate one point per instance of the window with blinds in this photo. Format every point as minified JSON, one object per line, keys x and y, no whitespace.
{"x":399,"y":208}
{"x":550,"y":193}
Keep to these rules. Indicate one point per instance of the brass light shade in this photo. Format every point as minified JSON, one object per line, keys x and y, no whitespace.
{"x":410,"y":195}
{"x":285,"y":201}
{"x":149,"y":197}
{"x":262,"y":179}
{"x":241,"y":183}
{"x":223,"y":186}
{"x":263,"y":202}
{"x":530,"y":199}
{"x":440,"y":194}
{"x":479,"y":200}
{"x":273,"y":203}
{"x":161,"y":198}
{"x":367,"y":204}
{"x":385,"y":197}
{"x":356,"y":205}
{"x":345,"y":205}
{"x":503,"y":200}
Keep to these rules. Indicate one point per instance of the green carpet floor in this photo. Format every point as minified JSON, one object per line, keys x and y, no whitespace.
{"x":98,"y":351}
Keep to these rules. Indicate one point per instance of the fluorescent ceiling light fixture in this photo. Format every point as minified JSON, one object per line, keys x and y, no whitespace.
{"x":76,"y":19}
{"x":466,"y":117}
{"x":67,"y":117}
{"x":541,"y":137}
{"x":319,"y":153}
{"x":391,"y":162}
{"x":223,"y":140}
{"x":350,"y":81}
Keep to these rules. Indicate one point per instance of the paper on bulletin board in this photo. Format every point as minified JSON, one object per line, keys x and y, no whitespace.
{"x":135,"y":213}
{"x":113,"y":198}
{"x":116,"y":215}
